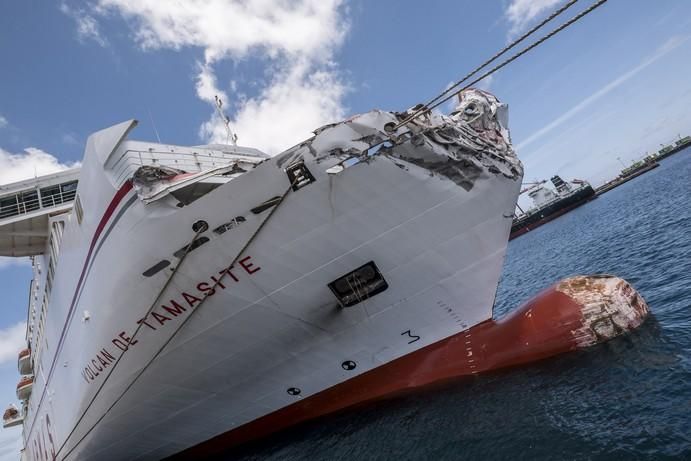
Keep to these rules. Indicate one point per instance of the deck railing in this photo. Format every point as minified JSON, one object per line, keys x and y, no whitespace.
{"x":35,"y":201}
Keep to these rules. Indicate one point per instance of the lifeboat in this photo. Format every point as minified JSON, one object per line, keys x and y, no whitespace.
{"x":24,"y":387}
{"x":12,"y":417}
{"x":24,"y":362}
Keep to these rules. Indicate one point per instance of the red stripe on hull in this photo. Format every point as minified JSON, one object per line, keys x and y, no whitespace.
{"x":115,"y":201}
{"x":549,"y":324}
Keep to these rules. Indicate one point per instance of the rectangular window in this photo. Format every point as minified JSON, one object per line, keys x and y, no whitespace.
{"x":9,"y":206}
{"x":78,"y":209}
{"x":28,"y":201}
{"x":50,"y":196}
{"x":68,"y":190}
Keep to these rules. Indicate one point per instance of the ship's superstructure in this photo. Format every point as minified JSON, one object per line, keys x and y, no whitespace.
{"x":549,"y":203}
{"x":32,"y":218}
{"x":183,"y":292}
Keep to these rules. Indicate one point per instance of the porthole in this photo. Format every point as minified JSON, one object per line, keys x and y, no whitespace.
{"x":293,"y":391}
{"x":348,"y":365}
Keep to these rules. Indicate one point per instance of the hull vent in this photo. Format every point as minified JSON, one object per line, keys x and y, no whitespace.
{"x":358,"y":285}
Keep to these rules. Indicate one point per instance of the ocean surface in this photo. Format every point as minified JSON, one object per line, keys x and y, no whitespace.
{"x":627,"y":399}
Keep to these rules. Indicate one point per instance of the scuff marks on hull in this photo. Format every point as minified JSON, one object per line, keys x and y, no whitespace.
{"x":610,"y":307}
{"x":462,"y":172}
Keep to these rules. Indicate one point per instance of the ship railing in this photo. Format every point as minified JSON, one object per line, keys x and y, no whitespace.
{"x":24,"y":202}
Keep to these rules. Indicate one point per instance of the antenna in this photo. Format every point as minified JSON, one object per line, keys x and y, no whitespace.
{"x":154,"y":125}
{"x":226,"y":121}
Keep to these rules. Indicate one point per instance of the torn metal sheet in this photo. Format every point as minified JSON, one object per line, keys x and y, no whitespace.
{"x":155,"y":182}
{"x":471,"y":143}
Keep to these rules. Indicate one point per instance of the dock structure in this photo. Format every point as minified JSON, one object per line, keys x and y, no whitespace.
{"x":673,"y":148}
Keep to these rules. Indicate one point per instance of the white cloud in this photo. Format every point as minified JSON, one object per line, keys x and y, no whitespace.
{"x":28,"y":164}
{"x":296,"y":38}
{"x":3,"y":122}
{"x":293,"y":104}
{"x":665,"y":48}
{"x":235,"y":27}
{"x":520,"y":13}
{"x":12,"y":340}
{"x":87,"y":26}
{"x":6,"y":261}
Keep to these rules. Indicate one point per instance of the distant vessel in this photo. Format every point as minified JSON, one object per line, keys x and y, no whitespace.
{"x":181,"y":293}
{"x":549,"y":204}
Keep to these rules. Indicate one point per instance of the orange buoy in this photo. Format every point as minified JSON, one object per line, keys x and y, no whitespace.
{"x":575,"y":313}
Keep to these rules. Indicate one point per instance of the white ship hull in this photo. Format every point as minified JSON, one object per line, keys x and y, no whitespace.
{"x":222,"y":347}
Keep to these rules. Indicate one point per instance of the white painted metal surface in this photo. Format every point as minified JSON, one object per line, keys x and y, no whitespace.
{"x":433,"y":211}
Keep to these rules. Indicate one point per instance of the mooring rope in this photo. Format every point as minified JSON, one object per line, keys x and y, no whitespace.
{"x":508,"y":47}
{"x":504,"y":63}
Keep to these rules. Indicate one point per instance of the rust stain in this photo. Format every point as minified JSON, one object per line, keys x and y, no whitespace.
{"x":610,"y":307}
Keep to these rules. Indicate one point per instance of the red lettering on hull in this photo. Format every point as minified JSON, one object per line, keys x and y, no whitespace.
{"x":123,"y":341}
{"x":161,"y":319}
{"x":244,"y":262}
{"x":176,"y":310}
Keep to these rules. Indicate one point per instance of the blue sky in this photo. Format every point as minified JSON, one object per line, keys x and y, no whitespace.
{"x":614,"y":85}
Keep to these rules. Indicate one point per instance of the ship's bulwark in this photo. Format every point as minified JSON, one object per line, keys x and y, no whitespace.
{"x":248,"y":324}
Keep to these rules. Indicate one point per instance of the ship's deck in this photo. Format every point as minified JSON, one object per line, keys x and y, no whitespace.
{"x":26,"y":206}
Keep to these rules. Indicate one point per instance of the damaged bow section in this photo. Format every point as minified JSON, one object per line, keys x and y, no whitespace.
{"x":610,"y":307}
{"x":470,"y":144}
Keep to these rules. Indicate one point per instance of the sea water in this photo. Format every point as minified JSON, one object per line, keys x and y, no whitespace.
{"x":628,"y":399}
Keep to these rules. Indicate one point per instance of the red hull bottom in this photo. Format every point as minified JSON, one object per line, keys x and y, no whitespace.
{"x":575,"y":313}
